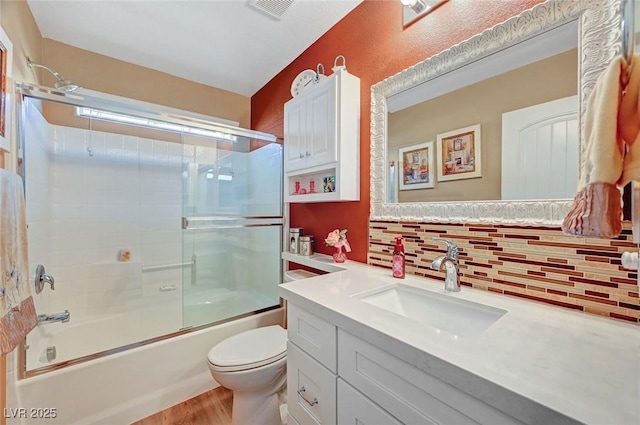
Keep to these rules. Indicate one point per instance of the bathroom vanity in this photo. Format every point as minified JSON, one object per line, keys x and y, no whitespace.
{"x":365,"y":348}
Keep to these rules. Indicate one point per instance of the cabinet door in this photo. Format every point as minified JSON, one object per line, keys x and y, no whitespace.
{"x":294,"y":134}
{"x":409,"y":394}
{"x":355,"y":409}
{"x":321,"y":130}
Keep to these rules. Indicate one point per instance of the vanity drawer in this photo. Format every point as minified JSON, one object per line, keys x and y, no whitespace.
{"x":314,"y":335}
{"x":291,"y":420}
{"x":354,"y":408}
{"x":409,"y":394}
{"x":311,"y":389}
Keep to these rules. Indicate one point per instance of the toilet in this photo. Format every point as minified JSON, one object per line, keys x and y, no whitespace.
{"x":253,"y":364}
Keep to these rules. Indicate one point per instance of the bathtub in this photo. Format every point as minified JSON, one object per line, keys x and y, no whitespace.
{"x":75,"y":339}
{"x":79,"y":338}
{"x":130,"y":385}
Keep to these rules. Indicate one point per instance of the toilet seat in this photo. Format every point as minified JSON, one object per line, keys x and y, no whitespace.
{"x":249,"y":349}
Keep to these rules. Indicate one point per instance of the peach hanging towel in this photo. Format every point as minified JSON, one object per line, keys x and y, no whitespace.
{"x":18,"y":314}
{"x":612,"y":123}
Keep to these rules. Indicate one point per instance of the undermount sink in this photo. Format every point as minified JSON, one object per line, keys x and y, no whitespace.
{"x":441,"y":311}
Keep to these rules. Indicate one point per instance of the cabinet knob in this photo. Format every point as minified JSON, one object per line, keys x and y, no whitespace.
{"x":308,"y":154}
{"x":301,"y":156}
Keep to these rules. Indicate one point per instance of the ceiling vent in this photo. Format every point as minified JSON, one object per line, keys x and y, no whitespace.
{"x":273,"y":8}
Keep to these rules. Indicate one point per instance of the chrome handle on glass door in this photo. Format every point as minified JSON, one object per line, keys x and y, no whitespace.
{"x":41,"y":278}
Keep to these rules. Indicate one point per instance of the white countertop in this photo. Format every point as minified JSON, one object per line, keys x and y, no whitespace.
{"x":583,"y":366}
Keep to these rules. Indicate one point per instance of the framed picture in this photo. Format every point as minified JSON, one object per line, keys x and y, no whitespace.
{"x":459,"y":154}
{"x":416,"y":166}
{"x":6,"y":52}
{"x":329,"y":184}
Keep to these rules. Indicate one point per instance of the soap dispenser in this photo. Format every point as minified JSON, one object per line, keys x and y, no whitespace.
{"x":397,"y":264}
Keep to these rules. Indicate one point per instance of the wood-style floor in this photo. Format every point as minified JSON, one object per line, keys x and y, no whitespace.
{"x":210,"y":408}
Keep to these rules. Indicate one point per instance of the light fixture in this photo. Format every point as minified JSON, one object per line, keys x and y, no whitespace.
{"x":61,"y":82}
{"x":418,"y":6}
{"x":412,"y":10}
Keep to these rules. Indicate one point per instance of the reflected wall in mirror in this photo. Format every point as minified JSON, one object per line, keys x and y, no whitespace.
{"x":504,"y":79}
{"x":484,"y":103}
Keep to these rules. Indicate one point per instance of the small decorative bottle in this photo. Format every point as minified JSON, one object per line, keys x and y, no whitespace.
{"x":312,"y":187}
{"x":397,"y":263}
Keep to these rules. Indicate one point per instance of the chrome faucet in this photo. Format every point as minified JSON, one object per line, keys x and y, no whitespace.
{"x":43,"y":319}
{"x":450,"y":263}
{"x":41,"y":278}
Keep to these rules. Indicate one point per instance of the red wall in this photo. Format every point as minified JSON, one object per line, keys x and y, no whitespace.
{"x":375,"y":46}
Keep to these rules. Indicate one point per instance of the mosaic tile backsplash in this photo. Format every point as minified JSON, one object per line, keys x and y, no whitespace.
{"x":538,"y":264}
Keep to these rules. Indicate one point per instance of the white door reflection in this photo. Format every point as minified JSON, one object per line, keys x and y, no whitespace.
{"x":540,"y":151}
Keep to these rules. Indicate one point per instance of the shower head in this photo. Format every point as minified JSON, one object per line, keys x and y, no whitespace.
{"x":61,"y":82}
{"x":66,"y":85}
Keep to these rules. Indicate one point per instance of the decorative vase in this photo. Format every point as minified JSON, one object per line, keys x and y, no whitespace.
{"x":339,"y":256}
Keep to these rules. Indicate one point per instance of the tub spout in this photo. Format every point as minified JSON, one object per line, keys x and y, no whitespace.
{"x":43,"y":319}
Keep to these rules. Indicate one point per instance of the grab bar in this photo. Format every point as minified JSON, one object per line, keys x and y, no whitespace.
{"x":167,"y":266}
{"x":192,"y":264}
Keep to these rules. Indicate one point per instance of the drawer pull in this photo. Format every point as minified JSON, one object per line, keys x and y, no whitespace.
{"x":310,"y":403}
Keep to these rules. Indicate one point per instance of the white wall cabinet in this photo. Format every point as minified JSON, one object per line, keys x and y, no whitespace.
{"x":311,"y":127}
{"x":322,"y":141}
{"x":371,"y":386}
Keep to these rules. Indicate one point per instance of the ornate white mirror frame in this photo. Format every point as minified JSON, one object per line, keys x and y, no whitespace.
{"x":598,"y":42}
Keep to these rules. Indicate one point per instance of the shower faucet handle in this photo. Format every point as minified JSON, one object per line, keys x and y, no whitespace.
{"x":41,"y":278}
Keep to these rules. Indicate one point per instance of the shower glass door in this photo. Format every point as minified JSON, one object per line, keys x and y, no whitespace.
{"x":232,"y":227}
{"x":148,"y":226}
{"x":100,"y":197}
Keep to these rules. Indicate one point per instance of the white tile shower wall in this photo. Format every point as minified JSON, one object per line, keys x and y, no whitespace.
{"x":111,"y":192}
{"x":37,"y":195}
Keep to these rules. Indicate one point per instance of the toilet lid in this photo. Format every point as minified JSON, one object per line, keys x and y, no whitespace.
{"x":250,"y":349}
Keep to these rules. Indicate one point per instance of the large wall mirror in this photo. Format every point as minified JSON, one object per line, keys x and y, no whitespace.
{"x":490,"y":130}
